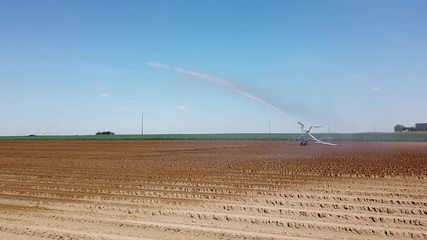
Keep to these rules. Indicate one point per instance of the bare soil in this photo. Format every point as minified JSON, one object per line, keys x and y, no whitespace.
{"x":212,"y":190}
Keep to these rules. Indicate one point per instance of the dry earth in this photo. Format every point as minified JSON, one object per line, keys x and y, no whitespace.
{"x":212,"y":190}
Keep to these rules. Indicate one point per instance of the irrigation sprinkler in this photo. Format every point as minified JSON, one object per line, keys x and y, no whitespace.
{"x":305,"y":135}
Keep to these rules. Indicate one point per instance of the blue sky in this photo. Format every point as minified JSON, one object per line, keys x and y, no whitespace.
{"x":79,"y":67}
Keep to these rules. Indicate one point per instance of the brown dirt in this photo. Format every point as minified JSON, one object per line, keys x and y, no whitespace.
{"x":212,"y":190}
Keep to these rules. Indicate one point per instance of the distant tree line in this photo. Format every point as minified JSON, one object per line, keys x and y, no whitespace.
{"x":105,"y":133}
{"x":401,"y":128}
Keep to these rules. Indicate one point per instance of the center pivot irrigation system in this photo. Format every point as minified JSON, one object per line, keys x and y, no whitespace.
{"x":305,"y":134}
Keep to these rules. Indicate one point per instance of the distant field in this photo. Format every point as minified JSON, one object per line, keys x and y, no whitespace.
{"x":387,"y":137}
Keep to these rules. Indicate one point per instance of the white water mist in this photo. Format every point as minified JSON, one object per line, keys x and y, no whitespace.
{"x":219,"y":81}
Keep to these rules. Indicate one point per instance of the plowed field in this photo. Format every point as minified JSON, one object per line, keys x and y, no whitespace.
{"x":212,"y":190}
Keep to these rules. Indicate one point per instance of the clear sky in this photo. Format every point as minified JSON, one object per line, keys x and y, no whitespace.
{"x":220,"y":66}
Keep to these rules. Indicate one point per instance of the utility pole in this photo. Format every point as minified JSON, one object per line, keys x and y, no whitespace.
{"x":142,"y":124}
{"x":269,"y":126}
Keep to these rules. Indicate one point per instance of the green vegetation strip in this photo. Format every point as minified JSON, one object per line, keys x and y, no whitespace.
{"x":404,"y":136}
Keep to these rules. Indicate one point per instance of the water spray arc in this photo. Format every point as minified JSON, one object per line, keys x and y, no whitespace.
{"x":220,"y":82}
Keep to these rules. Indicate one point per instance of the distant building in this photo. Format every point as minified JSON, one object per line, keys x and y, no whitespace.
{"x":421,"y":126}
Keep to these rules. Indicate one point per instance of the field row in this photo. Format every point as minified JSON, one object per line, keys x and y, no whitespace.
{"x":177,"y":190}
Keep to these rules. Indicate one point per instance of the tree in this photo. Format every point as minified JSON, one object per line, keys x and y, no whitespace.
{"x":399,"y":128}
{"x":105,"y":133}
{"x":411,"y":129}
